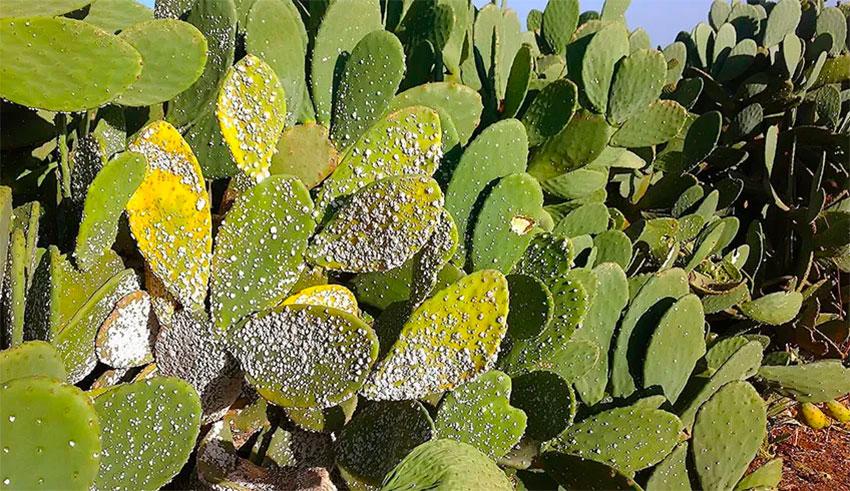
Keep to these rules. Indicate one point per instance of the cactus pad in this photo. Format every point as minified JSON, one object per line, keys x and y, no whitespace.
{"x":282,"y":44}
{"x":605,"y":48}
{"x":123,"y":340}
{"x":379,"y":437}
{"x":251,"y":111}
{"x":573,"y":472}
{"x":547,"y":258}
{"x":676,"y":345}
{"x":445,"y":464}
{"x":49,"y":435}
{"x":818,"y":381}
{"x":548,"y":401}
{"x":31,"y":359}
{"x":459,"y":101}
{"x":382,"y":226}
{"x":628,"y":438}
{"x":169,"y":214}
{"x":275,"y":216}
{"x":117,"y":15}
{"x":423,"y":360}
{"x":367,"y":84}
{"x":33,"y":49}
{"x":167,"y":46}
{"x":404,"y":142}
{"x":189,"y":349}
{"x":305,"y":355}
{"x":637,"y":82}
{"x":305,"y":152}
{"x":479,"y":413}
{"x":507,"y":222}
{"x":637,"y":325}
{"x":550,"y":110}
{"x":344,"y":24}
{"x":774,"y":308}
{"x":672,"y":472}
{"x":501,"y":149}
{"x":148,"y":430}
{"x":532,"y":306}
{"x":728,"y":432}
{"x":106,"y":199}
{"x":334,"y":296}
{"x":612,"y":294}
{"x":560,"y":19}
{"x":655,"y":124}
{"x":578,"y":144}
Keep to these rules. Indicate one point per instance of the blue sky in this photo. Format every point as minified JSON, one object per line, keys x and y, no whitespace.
{"x":662,"y":19}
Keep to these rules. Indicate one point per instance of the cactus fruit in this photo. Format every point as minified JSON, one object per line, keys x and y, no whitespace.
{"x":838,"y":411}
{"x":813,"y":417}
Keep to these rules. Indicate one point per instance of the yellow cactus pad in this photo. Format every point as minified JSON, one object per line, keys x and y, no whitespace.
{"x":251,"y":112}
{"x":169,"y":215}
{"x":334,"y":296}
{"x":451,"y":338}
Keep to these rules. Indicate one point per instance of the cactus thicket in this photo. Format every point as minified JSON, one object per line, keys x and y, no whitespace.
{"x":420,"y":244}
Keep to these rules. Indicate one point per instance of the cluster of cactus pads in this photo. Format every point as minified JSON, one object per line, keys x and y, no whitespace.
{"x":408,"y":244}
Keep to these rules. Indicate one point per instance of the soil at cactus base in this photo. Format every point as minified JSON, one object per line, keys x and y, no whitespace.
{"x":812,"y":459}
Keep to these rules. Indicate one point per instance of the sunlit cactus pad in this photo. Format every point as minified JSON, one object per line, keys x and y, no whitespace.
{"x":422,"y":244}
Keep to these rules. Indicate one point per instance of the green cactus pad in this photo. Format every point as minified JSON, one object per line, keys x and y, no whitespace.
{"x":518,"y":81}
{"x":214,"y":158}
{"x":676,"y":345}
{"x":50,"y":435}
{"x":106,"y":198}
{"x":833,"y":22}
{"x":591,"y":218}
{"x":445,"y":465}
{"x":510,"y":215}
{"x":774,"y":309}
{"x":366,"y":86}
{"x":605,"y":48}
{"x":653,"y":125}
{"x":462,"y":103}
{"x":189,"y":348}
{"x":71,"y":305}
{"x":34,"y":47}
{"x":612,"y":294}
{"x":721,"y":351}
{"x":479,"y":413}
{"x":638,"y":80}
{"x":136,"y":453}
{"x":216,"y":19}
{"x":404,"y":142}
{"x":548,"y":401}
{"x":613,"y":246}
{"x":548,"y":257}
{"x":531,"y":308}
{"x":627,"y":438}
{"x":380,"y":436}
{"x":551,"y":350}
{"x":636,"y":326}
{"x":117,"y":15}
{"x":560,"y":19}
{"x":305,"y":355}
{"x":783,"y":20}
{"x":275,"y":216}
{"x":501,"y":149}
{"x":672,"y":472}
{"x":325,"y":420}
{"x":580,"y":142}
{"x":740,"y":366}
{"x":45,"y":8}
{"x":383,"y":288}
{"x":433,"y":258}
{"x":282,"y":44}
{"x":573,"y":472}
{"x":768,"y":476}
{"x":728,"y":432}
{"x":167,"y":46}
{"x":576,"y":184}
{"x":14,"y":288}
{"x":123,"y":340}
{"x":169,"y":214}
{"x":251,"y":111}
{"x":701,"y":138}
{"x":30,"y":359}
{"x":305,"y":152}
{"x":818,"y":381}
{"x":382,"y":226}
{"x":423,"y":361}
{"x":550,"y":111}
{"x":344,"y":24}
